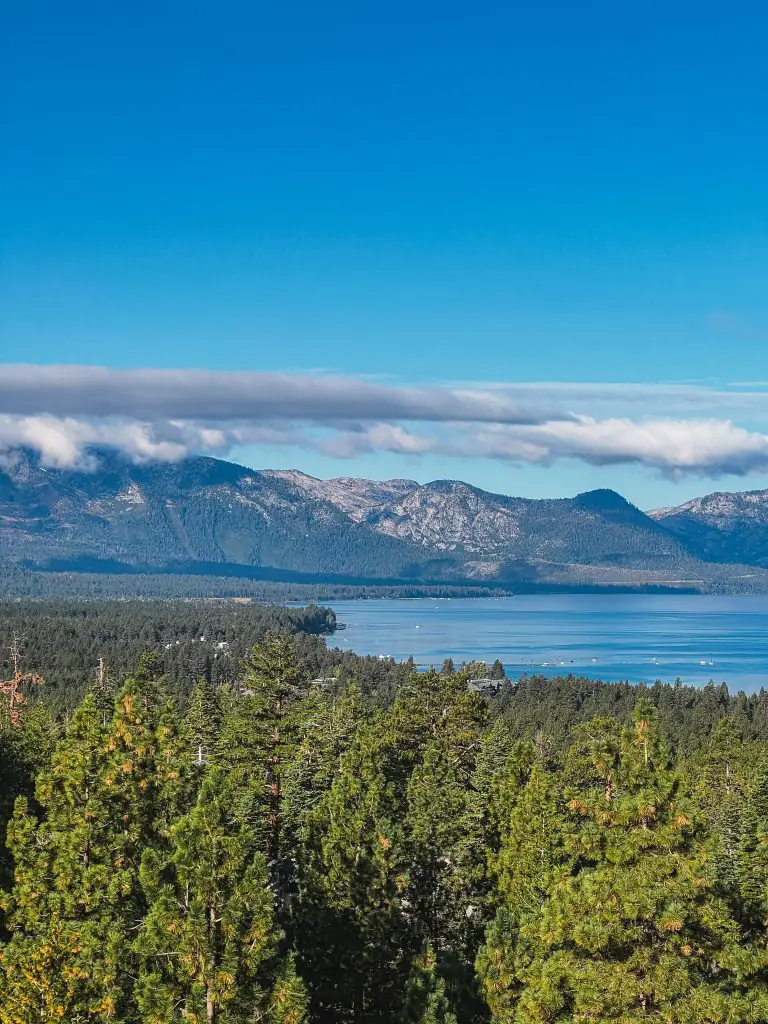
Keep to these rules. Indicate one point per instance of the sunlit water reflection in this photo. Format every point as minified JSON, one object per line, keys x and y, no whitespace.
{"x":632,"y":637}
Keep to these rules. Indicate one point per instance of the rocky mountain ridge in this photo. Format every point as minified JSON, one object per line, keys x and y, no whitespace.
{"x":353,"y":495}
{"x":720,"y":505}
{"x":725,"y":526}
{"x":205,"y":515}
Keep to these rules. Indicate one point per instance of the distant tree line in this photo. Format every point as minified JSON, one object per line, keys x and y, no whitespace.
{"x":20,"y":582}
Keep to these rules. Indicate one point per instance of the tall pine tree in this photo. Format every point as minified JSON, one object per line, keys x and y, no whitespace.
{"x":532,"y":858}
{"x":209,"y":940}
{"x":69,"y":933}
{"x":353,"y":881}
{"x":259,"y":734}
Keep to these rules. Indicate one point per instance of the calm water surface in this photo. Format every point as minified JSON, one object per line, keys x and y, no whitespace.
{"x":616,"y":637}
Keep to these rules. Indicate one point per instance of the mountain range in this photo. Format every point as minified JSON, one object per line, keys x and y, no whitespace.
{"x":206,"y":515}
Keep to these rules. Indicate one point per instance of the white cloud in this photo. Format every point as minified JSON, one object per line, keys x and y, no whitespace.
{"x":674,"y":447}
{"x":65,"y":412}
{"x":64,"y":441}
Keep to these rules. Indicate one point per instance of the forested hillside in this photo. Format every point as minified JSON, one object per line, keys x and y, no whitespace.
{"x":292,"y":845}
{"x":70,"y":642}
{"x":199,"y":514}
{"x":724,"y":527}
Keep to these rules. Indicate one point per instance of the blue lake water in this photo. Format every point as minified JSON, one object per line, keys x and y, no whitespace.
{"x":613,"y":637}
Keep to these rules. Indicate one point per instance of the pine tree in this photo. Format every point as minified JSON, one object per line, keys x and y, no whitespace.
{"x":327,"y":724}
{"x":258,"y":737}
{"x":352,"y":885}
{"x":108,"y":796}
{"x":203,"y":722}
{"x":25,"y":750}
{"x":440,"y":898}
{"x":288,"y":1003}
{"x":533,"y":850}
{"x":273,"y":673}
{"x":209,"y":938}
{"x":501,"y":771}
{"x":176,"y":779}
{"x":37,"y":736}
{"x":719,"y":779}
{"x":65,"y":909}
{"x":104,"y":692}
{"x":425,"y":994}
{"x":445,"y":892}
{"x":240,"y":752}
{"x":47,"y":980}
{"x":532,"y":857}
{"x":432,"y":706}
{"x":132,"y":781}
{"x":751,"y":857}
{"x":12,"y":784}
{"x":437,"y":798}
{"x":639,"y":932}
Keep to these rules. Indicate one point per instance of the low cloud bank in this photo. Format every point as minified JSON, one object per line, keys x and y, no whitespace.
{"x":208,"y":395}
{"x":65,"y":412}
{"x":675,"y":448}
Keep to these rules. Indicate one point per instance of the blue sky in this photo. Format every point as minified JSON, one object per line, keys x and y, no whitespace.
{"x":412,"y":194}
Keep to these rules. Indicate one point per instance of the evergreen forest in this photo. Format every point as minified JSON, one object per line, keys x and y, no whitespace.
{"x":315,"y":837}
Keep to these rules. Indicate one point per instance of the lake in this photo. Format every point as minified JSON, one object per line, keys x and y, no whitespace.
{"x":614,"y":637}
